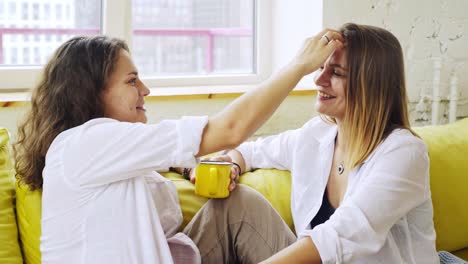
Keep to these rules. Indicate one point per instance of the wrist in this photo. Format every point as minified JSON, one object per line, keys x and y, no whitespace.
{"x":238,"y":167}
{"x":186,"y":173}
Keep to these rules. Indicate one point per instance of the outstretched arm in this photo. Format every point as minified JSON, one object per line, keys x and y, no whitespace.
{"x":303,"y":251}
{"x":245,"y":115}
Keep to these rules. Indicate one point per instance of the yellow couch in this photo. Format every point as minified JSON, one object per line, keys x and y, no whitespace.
{"x":448,"y":150}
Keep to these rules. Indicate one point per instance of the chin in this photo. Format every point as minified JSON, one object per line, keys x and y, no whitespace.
{"x":321,"y":110}
{"x":143,"y":120}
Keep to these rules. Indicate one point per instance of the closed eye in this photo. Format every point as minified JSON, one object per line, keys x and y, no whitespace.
{"x":337,"y":73}
{"x":132,"y":81}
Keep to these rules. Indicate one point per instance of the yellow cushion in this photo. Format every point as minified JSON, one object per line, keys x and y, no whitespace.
{"x":462,"y":253}
{"x":28,"y":210}
{"x":448,"y":152}
{"x":10,"y":252}
{"x":189,"y":202}
{"x":266,"y":181}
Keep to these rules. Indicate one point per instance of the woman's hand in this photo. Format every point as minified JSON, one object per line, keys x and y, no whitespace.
{"x":235,"y":173}
{"x":317,"y":49}
{"x":226,"y":130}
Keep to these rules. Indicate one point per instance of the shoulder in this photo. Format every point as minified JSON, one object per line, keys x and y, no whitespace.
{"x":317,"y":123}
{"x":401,"y":146}
{"x":404,"y":138}
{"x":318,"y":130}
{"x":93,"y":123}
{"x":100,"y":127}
{"x":90,"y":127}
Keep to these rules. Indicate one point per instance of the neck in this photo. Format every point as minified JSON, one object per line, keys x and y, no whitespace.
{"x":339,"y":141}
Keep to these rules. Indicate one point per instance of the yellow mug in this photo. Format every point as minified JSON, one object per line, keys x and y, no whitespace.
{"x":213,"y":178}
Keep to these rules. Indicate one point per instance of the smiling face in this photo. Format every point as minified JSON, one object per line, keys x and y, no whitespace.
{"x":331,"y":85}
{"x":123,"y":96}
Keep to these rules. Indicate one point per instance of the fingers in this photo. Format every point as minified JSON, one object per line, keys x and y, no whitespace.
{"x":193,"y":176}
{"x":221,"y":158}
{"x":334,"y":44}
{"x":330,"y":35}
{"x":317,"y":49}
{"x":234,"y":173}
{"x":324,"y":38}
{"x":232,"y":186}
{"x":234,"y":177}
{"x":325,"y":30}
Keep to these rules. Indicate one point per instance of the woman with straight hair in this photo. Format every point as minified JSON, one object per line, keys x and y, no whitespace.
{"x":360,"y":175}
{"x":85,"y":143}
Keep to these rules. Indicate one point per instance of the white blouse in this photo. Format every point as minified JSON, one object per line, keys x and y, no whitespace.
{"x":386,"y":213}
{"x":102,"y":200}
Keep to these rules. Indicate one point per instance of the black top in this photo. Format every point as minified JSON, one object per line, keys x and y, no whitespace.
{"x":324,"y":213}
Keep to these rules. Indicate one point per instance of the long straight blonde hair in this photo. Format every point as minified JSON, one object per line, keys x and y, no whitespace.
{"x":376,"y":102}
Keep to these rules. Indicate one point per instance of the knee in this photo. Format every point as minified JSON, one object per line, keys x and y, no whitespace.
{"x":246,"y":196}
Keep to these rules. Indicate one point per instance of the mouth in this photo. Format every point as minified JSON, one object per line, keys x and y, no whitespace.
{"x":141,"y":108}
{"x":325,"y":96}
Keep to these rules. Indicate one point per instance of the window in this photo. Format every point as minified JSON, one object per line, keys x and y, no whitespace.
{"x":2,"y":10}
{"x":35,"y":11}
{"x":46,"y":13}
{"x":14,"y":55}
{"x":40,"y":24}
{"x":37,"y":56}
{"x":174,"y":43}
{"x":194,"y":37}
{"x":34,"y":31}
{"x":58,"y":12}
{"x":25,"y":55}
{"x":11,"y":9}
{"x":24,"y":11}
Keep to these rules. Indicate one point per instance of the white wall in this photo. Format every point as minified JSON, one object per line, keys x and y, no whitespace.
{"x":293,"y":113}
{"x":428,"y":30}
{"x":292,"y":22}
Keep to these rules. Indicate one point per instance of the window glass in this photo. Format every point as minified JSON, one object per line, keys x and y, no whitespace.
{"x":188,"y":37}
{"x":35,"y":28}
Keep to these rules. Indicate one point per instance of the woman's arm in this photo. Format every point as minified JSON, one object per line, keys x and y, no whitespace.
{"x":246,"y":114}
{"x":237,"y":157}
{"x":302,"y":251}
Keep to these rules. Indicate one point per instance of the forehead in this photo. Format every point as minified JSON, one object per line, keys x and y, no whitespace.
{"x":125,"y":63}
{"x":338,"y":57}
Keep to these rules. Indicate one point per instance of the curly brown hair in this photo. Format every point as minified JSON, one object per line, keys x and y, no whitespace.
{"x":68,"y":95}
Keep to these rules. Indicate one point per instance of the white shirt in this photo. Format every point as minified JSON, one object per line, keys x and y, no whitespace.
{"x":102,"y":200}
{"x":386,"y":213}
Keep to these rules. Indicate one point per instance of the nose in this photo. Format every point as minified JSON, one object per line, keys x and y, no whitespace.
{"x":322,"y":78}
{"x":144,"y":90}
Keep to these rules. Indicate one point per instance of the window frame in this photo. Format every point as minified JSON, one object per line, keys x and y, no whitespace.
{"x":117,"y":22}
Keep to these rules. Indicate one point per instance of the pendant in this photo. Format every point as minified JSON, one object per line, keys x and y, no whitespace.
{"x":340,"y":169}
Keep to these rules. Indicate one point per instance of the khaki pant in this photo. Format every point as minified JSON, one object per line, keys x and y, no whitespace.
{"x":243,"y":228}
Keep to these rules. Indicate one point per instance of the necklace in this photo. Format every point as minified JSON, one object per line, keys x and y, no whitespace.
{"x":340,"y":168}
